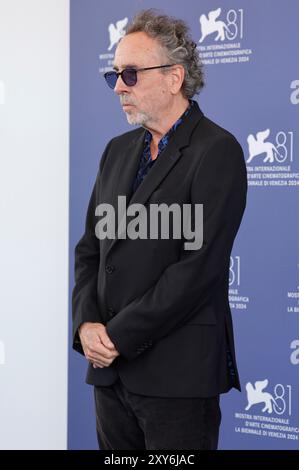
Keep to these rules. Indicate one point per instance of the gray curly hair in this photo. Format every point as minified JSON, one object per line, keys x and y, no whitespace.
{"x":173,"y":35}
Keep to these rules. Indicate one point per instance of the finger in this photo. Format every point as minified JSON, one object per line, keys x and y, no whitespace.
{"x":101,"y":364}
{"x":100,"y":350}
{"x":96,"y":364}
{"x":93,"y":364}
{"x":98,"y":359}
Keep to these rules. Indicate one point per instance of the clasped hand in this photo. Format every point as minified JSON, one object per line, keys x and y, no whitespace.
{"x":97,"y":346}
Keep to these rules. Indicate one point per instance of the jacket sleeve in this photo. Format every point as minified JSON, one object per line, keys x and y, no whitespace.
{"x":220,"y":184}
{"x":87,"y":261}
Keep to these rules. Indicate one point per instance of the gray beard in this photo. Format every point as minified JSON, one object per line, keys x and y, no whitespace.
{"x":139,"y":119}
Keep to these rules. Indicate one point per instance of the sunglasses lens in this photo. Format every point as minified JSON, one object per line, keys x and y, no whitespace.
{"x":129,"y":77}
{"x":111,"y":79}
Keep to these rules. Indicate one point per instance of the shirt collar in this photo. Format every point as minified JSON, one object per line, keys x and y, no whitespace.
{"x":164,"y":140}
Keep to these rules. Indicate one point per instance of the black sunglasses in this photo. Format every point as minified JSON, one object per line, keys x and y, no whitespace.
{"x":128,"y":76}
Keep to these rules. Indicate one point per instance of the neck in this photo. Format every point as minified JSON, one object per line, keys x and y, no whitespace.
{"x":161,"y":126}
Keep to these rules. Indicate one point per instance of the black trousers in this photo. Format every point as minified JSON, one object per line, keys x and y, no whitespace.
{"x":127,"y":421}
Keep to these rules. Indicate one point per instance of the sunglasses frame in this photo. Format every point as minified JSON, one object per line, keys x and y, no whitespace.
{"x":117,"y":74}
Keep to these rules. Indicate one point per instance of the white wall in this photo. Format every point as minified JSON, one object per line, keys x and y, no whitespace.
{"x":34,"y":183}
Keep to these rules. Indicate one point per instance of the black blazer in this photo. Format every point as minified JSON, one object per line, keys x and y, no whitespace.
{"x":165,"y":308}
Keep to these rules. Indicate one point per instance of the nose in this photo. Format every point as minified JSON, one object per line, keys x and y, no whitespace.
{"x":120,"y":86}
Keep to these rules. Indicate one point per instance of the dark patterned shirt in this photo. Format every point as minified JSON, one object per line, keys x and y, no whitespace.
{"x":146,"y":161}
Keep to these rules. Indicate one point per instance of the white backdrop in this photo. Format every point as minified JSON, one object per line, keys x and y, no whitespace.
{"x":34,"y":180}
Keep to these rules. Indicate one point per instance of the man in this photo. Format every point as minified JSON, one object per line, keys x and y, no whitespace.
{"x":151,"y":317}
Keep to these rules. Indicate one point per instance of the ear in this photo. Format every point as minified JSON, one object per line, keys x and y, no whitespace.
{"x":177,"y":75}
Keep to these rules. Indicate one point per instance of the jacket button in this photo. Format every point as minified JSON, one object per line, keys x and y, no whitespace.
{"x":109,"y":269}
{"x":111,"y":312}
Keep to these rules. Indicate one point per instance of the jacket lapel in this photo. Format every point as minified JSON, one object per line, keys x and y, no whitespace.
{"x":128,"y":167}
{"x":163,"y":165}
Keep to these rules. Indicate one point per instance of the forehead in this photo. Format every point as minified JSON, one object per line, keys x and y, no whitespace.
{"x":137,"y":49}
